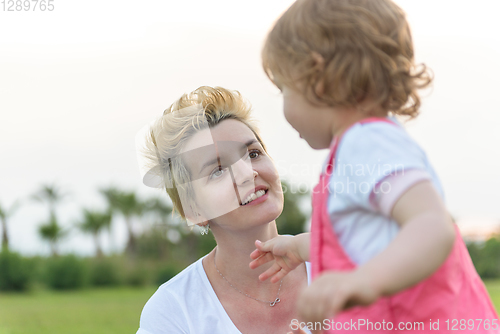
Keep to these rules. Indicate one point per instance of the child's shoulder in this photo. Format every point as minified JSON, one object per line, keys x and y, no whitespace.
{"x":377,"y":130}
{"x":379,"y":139}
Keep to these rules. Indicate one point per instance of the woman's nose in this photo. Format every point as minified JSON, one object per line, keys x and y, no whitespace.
{"x":243,"y":172}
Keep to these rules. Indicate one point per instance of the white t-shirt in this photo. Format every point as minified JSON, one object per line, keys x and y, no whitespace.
{"x":373,"y":156}
{"x":188,"y":304}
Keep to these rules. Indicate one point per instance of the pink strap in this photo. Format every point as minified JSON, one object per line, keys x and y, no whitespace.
{"x":325,"y":251}
{"x":336,"y":140}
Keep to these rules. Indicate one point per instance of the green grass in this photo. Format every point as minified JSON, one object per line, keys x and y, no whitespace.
{"x":96,"y":311}
{"x":493,"y":287}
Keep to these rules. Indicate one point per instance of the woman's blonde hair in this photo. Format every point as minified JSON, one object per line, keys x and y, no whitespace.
{"x":356,"y":50}
{"x":192,"y":112}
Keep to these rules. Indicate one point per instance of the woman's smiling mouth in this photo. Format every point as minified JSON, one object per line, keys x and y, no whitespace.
{"x":259,"y":192}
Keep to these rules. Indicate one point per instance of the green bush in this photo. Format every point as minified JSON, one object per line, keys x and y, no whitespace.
{"x":292,"y":220}
{"x":66,"y":272}
{"x":15,"y":272}
{"x":486,"y":258}
{"x":104,"y":272}
{"x":153,"y":245}
{"x":138,"y":276}
{"x":37,"y":266}
{"x":166,"y":273}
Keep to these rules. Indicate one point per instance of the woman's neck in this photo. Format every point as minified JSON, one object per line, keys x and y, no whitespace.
{"x":232,"y":254}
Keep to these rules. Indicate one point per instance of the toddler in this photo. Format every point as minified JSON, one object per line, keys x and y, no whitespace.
{"x":385,"y":253}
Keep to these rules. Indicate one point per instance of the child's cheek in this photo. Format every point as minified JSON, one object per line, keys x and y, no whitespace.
{"x":289,"y":116}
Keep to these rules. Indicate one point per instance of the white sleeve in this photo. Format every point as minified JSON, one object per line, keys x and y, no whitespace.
{"x":368,"y":154}
{"x":161,"y":316}
{"x":143,"y":331}
{"x":388,"y":191}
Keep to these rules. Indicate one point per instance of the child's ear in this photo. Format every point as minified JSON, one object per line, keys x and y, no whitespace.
{"x":319,"y":89}
{"x":319,"y":61}
{"x":319,"y":64}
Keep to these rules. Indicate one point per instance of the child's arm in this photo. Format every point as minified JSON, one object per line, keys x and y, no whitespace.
{"x":287,"y":251}
{"x":426,"y":238}
{"x":422,"y":245}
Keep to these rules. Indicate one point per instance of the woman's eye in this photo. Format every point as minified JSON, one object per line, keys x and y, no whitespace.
{"x":254,"y":154}
{"x":217,"y":173}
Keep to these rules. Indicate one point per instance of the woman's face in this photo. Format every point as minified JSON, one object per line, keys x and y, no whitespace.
{"x":235,"y":183}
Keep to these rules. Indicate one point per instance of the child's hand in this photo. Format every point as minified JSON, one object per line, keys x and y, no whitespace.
{"x":332,"y":293}
{"x":286,"y":251}
{"x":295,"y":326}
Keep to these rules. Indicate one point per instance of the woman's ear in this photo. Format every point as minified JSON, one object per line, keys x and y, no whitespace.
{"x":195,"y":218}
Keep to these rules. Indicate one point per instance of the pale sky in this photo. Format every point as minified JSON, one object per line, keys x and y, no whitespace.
{"x":77,"y":83}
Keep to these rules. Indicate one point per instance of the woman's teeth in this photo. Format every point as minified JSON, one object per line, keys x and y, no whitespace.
{"x":254,"y":196}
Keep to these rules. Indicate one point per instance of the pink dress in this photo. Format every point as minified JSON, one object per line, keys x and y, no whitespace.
{"x":452,"y":299}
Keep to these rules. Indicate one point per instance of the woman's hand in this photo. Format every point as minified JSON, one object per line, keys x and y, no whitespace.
{"x":332,"y":293}
{"x":287,"y":252}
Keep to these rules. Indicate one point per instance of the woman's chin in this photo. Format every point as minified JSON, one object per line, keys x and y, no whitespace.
{"x":268,"y":215}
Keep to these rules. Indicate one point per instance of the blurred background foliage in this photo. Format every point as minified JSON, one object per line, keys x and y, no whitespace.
{"x":163,"y":247}
{"x":486,"y":257}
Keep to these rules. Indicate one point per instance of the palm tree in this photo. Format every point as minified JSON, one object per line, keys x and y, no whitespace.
{"x":129,"y":206}
{"x":5,"y":214}
{"x":52,"y":232}
{"x":161,"y":212}
{"x":160,"y":209}
{"x":51,"y":195}
{"x":94,"y":222}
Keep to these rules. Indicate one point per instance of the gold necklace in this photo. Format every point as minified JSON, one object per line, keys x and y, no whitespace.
{"x":270,"y":302}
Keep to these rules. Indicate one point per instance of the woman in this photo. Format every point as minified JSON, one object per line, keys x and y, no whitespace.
{"x":209,"y":156}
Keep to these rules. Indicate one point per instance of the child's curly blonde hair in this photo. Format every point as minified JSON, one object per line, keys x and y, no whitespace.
{"x":355,"y":50}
